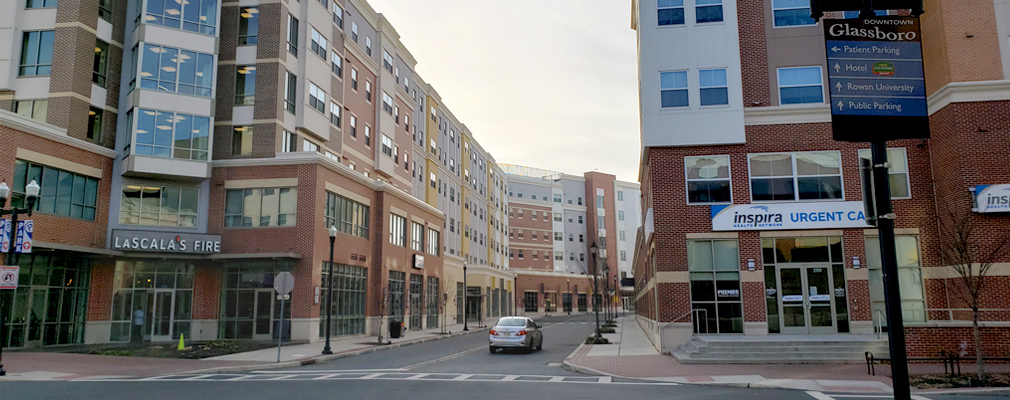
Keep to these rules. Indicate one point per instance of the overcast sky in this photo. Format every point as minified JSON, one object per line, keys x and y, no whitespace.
{"x":544,"y":83}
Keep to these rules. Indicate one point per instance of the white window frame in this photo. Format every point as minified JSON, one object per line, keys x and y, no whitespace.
{"x":354,"y":31}
{"x":708,"y":3}
{"x":687,"y":181}
{"x":387,"y":61}
{"x":387,"y":103}
{"x":318,"y":96}
{"x":289,"y":142}
{"x":397,"y":230}
{"x":865,"y":153}
{"x":335,"y":114}
{"x":318,"y":44}
{"x":774,"y":9}
{"x":337,"y":64}
{"x":702,"y":87}
{"x":778,"y":77}
{"x":338,"y":15}
{"x":668,"y":7}
{"x":387,"y":145}
{"x":795,"y":176}
{"x":686,"y":88}
{"x":308,"y":145}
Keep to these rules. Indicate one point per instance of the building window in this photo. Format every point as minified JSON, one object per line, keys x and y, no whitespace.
{"x":241,"y":141}
{"x":368,"y":45}
{"x":308,"y":145}
{"x":368,"y":135}
{"x":248,"y":26}
{"x":387,"y":146}
{"x":714,"y":268}
{"x":815,"y":175}
{"x":708,"y":179}
{"x":193,"y":15}
{"x":708,"y":11}
{"x":913,"y":308}
{"x":558,"y":236}
{"x":36,"y":53}
{"x":338,"y":15}
{"x":620,"y":215}
{"x":620,"y":235}
{"x":162,"y":289}
{"x":260,"y":207}
{"x":317,"y":98}
{"x":336,"y":63}
{"x":335,"y":114}
{"x":354,"y":79}
{"x":800,"y":85}
{"x":159,"y":206}
{"x":354,"y":126}
{"x":101,"y":61}
{"x":318,"y":44}
{"x":417,"y":237}
{"x":397,"y":230}
{"x":170,"y":135}
{"x":293,"y":35}
{"x":349,"y":216}
{"x":354,"y":31}
{"x":671,"y":12}
{"x":368,"y":90}
{"x":557,"y":217}
{"x":713,"y":85}
{"x":105,"y":10}
{"x":599,"y":201}
{"x":245,"y":85}
{"x":624,"y":256}
{"x":62,"y":192}
{"x":387,"y":62}
{"x":581,"y":239}
{"x":95,"y":124}
{"x":620,"y":195}
{"x":387,"y":103}
{"x":33,"y":109}
{"x":673,"y":89}
{"x":433,"y":242}
{"x":898,"y":173}
{"x":792,"y":13}
{"x":290,"y":92}
{"x":41,"y":3}
{"x":289,"y":142}
{"x":178,"y":71}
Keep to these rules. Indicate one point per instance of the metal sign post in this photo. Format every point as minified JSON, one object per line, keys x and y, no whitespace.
{"x":283,"y":283}
{"x":878,"y":93}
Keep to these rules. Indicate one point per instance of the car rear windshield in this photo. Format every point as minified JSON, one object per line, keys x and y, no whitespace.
{"x":511,"y":322}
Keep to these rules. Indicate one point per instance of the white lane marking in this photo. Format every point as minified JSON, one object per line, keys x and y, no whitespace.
{"x":462,"y":377}
{"x":395,"y":377}
{"x":916,"y":397}
{"x":510,"y":377}
{"x":198,"y":377}
{"x":370,"y":376}
{"x":440,"y":359}
{"x":332,"y":371}
{"x":819,"y":395}
{"x":279,"y":377}
{"x":417,"y":376}
{"x":327,"y":376}
{"x":556,"y":379}
{"x":604,"y":379}
{"x":822,"y":396}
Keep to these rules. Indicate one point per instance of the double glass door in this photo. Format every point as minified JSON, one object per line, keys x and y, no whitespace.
{"x":807,"y":303}
{"x":160,"y":303}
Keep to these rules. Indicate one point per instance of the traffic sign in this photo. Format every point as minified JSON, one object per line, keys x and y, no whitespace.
{"x":9,"y":277}
{"x":875,"y":79}
{"x":284,"y":282}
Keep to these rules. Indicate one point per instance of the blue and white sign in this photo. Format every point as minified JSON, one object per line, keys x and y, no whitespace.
{"x":992,"y":198}
{"x":21,"y":238}
{"x":876,"y":84}
{"x":5,"y":237}
{"x":784,"y":216}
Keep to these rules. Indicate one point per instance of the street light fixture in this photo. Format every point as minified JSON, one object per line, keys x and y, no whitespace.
{"x":466,"y":300}
{"x":31,"y":196}
{"x":329,"y":291}
{"x":596,"y":287}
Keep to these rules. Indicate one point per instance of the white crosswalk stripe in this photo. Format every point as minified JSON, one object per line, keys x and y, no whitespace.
{"x":335,"y":375}
{"x":824,"y":396}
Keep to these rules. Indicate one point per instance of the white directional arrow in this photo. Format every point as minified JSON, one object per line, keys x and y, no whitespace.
{"x":840,"y":105}
{"x":838,"y":68}
{"x":838,"y":86}
{"x":835,"y":49}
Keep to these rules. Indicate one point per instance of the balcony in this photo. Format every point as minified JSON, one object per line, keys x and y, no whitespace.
{"x":160,"y":167}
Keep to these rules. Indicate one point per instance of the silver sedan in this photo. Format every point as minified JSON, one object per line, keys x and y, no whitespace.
{"x":516,"y":332}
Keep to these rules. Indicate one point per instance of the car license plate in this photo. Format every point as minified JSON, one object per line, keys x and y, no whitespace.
{"x":506,"y":333}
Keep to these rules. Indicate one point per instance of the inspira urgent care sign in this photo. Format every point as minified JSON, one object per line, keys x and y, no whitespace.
{"x":992,"y":198}
{"x":778,"y":216}
{"x":165,"y":242}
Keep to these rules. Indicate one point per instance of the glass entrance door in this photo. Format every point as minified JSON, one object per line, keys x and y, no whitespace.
{"x":262,"y":314}
{"x":806,"y":300}
{"x":161,"y":315}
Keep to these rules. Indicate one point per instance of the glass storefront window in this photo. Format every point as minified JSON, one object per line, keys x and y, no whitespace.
{"x":803,"y":250}
{"x":50,"y":305}
{"x":347,"y":308}
{"x":193,"y":15}
{"x":909,"y":279}
{"x":248,"y":302}
{"x":157,"y":294}
{"x":714,"y":267}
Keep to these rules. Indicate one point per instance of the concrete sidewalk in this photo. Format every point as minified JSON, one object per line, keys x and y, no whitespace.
{"x":632,"y":355}
{"x":47,"y":366}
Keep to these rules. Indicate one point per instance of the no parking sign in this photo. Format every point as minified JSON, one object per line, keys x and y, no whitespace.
{"x":9,"y":277}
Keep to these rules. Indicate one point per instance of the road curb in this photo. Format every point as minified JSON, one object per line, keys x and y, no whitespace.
{"x":321,"y":358}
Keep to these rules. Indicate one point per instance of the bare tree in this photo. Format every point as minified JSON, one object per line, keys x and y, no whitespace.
{"x":969,"y":251}
{"x":443,"y":302}
{"x":383,"y":309}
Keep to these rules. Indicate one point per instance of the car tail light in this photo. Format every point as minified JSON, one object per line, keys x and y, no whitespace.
{"x":521,"y":333}
{"x":494,"y":332}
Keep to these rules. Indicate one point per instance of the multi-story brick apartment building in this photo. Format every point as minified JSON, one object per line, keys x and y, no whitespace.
{"x":555,"y":218}
{"x":244,"y":133}
{"x":736,"y":127}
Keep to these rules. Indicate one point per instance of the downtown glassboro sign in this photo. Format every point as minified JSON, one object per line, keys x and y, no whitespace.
{"x":875,"y":79}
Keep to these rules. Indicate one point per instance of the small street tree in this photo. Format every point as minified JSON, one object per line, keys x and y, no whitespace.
{"x":383,"y":309}
{"x":971,"y":253}
{"x":443,"y":303}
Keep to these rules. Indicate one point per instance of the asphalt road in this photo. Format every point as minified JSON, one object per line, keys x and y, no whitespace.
{"x":454,"y":368}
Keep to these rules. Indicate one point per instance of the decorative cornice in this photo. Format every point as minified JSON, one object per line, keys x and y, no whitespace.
{"x":781,"y":115}
{"x":968,"y":92}
{"x":50,"y":132}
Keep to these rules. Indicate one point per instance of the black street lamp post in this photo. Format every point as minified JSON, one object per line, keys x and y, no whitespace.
{"x":329,"y":291}
{"x":596,"y":288}
{"x":31,"y":195}
{"x":466,"y":300}
{"x":568,"y":283}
